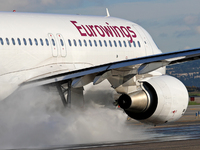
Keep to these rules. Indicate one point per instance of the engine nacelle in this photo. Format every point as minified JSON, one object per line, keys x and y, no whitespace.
{"x":162,"y":99}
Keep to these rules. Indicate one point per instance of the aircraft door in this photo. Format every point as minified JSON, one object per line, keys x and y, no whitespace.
{"x":61,"y":43}
{"x":53,"y":45}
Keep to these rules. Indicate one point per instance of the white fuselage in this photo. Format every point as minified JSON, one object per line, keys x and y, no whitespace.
{"x":34,"y":45}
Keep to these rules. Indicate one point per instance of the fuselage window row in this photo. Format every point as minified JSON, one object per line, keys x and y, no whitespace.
{"x":120,"y":43}
{"x":29,"y":40}
{"x":105,"y":43}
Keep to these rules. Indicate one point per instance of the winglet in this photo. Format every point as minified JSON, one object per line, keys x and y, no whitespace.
{"x":108,"y":14}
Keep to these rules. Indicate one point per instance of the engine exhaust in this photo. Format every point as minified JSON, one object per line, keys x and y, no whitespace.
{"x":135,"y":102}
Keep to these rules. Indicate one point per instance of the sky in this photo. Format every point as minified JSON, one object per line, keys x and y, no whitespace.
{"x":173,"y":24}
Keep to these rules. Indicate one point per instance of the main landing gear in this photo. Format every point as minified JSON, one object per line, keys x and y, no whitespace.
{"x":70,"y":96}
{"x":62,"y":90}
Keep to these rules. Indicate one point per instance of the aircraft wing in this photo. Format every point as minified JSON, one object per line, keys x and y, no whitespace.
{"x":144,"y":65}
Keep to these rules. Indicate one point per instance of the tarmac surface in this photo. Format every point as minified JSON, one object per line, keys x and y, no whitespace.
{"x":182,"y":134}
{"x":171,"y":145}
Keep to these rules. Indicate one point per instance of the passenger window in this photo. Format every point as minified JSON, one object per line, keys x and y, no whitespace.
{"x":105,"y":43}
{"x":90,"y":43}
{"x":129,"y":43}
{"x":47,"y":42}
{"x":36,"y":42}
{"x":7,"y":41}
{"x":53,"y":42}
{"x":85,"y":42}
{"x":13,"y":41}
{"x":61,"y":42}
{"x":30,"y":41}
{"x":100,"y":43}
{"x":120,"y":44}
{"x":75,"y":42}
{"x":125,"y":43}
{"x":18,"y":40}
{"x":41,"y":41}
{"x":70,"y":44}
{"x":115,"y":43}
{"x":95,"y":43}
{"x":110,"y":43}
{"x":139,"y":44}
{"x":80,"y":42}
{"x":24,"y":41}
{"x":134,"y":44}
{"x":1,"y":40}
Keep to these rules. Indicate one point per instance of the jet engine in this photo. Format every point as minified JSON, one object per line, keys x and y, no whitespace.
{"x":161,"y":99}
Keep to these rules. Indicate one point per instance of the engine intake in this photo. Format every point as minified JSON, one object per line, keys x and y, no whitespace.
{"x":162,"y":99}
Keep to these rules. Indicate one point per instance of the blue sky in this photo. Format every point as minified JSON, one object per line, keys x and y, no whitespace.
{"x":174,"y":25}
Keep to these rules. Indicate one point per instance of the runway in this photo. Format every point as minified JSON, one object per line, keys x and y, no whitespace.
{"x":183,"y":134}
{"x":173,"y":138}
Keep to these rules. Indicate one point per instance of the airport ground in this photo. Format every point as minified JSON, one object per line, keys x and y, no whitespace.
{"x":171,"y":145}
{"x":183,"y":134}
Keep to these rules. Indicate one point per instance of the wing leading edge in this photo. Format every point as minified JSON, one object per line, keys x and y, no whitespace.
{"x":144,"y":65}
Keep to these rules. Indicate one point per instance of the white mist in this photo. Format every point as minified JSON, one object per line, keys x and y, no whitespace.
{"x":36,"y":118}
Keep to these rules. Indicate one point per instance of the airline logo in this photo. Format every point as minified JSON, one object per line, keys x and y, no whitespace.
{"x":106,"y":30}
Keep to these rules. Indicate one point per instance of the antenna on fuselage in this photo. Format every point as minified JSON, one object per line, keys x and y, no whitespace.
{"x":108,"y":14}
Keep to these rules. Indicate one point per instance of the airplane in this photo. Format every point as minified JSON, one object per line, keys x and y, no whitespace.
{"x":71,"y":51}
